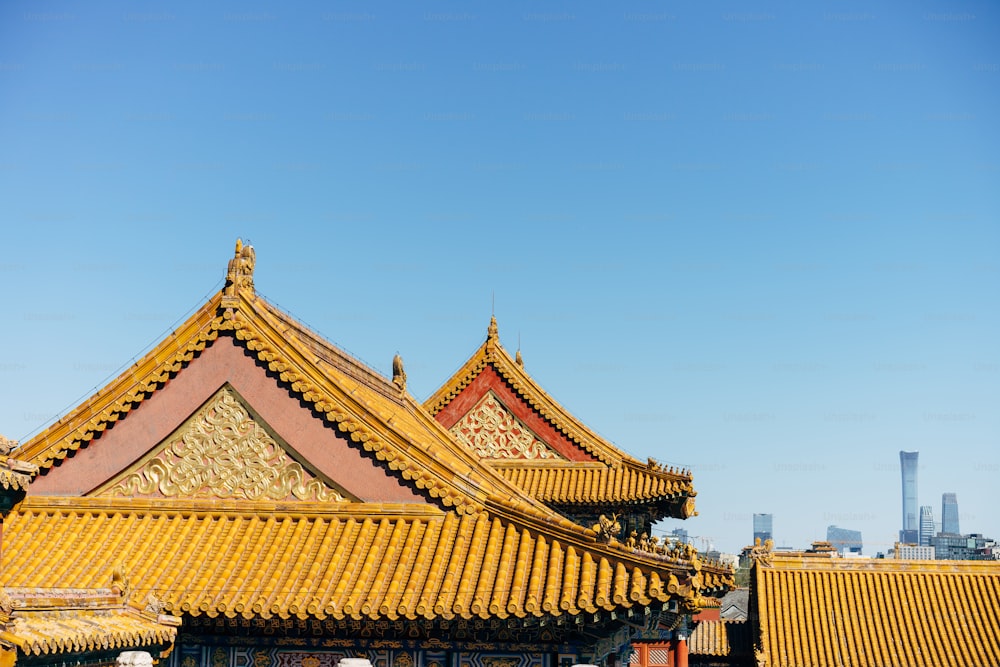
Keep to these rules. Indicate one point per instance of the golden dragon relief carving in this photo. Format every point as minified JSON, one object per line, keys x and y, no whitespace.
{"x":494,"y":433}
{"x":224,"y":453}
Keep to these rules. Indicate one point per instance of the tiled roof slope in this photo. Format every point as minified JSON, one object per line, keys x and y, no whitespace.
{"x":593,"y":484}
{"x":337,"y":560}
{"x":821,"y":611}
{"x":721,"y":638}
{"x":67,"y":624}
{"x":624,"y":479}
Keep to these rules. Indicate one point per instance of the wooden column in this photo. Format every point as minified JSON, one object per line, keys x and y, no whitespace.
{"x":680,"y":650}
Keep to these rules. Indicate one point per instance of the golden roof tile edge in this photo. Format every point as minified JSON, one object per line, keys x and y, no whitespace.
{"x":94,"y":633}
{"x":127,"y":391}
{"x":286,"y":356}
{"x":211,"y":507}
{"x":340,"y":359}
{"x":795,"y":561}
{"x":648,"y":487}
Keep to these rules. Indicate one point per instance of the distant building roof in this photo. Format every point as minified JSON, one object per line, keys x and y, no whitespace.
{"x":735,"y":604}
{"x":722,"y":638}
{"x":73,"y":625}
{"x":876,"y":613}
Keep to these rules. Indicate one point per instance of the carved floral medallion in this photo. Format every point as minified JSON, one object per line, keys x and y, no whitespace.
{"x":492,"y":432}
{"x":223,"y":453}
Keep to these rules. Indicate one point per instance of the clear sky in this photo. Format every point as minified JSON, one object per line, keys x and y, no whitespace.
{"x":759,"y":240}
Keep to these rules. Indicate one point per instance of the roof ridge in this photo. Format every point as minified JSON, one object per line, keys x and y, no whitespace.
{"x":349,"y":362}
{"x":491,"y":352}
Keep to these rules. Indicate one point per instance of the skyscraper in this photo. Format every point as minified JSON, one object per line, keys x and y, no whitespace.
{"x":910,"y":534}
{"x":762,"y":527}
{"x":949,"y":514}
{"x":926,"y":525}
{"x":844,"y":539}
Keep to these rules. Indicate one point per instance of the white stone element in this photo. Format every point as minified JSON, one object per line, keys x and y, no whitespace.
{"x":354,"y":662}
{"x":134,"y":659}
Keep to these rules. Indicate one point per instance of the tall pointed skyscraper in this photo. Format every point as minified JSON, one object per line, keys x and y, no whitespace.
{"x":910,"y":533}
{"x":949,"y":514}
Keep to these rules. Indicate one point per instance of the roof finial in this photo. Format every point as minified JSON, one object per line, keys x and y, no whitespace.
{"x":398,"y":374}
{"x":518,"y":359}
{"x":491,"y":331}
{"x":239,"y":274}
{"x":119,"y":581}
{"x":7,"y":446}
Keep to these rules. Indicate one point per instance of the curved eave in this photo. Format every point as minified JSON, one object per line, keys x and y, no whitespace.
{"x":596,"y":485}
{"x":69,"y":634}
{"x":69,"y":624}
{"x":125,"y":392}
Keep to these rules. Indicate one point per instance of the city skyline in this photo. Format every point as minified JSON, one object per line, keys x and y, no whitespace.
{"x":758,"y":243}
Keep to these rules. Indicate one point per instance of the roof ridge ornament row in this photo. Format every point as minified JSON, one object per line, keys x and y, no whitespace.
{"x":239,"y":275}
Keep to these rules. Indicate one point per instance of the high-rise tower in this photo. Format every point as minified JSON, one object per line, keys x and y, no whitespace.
{"x":762,"y":524}
{"x":910,"y":534}
{"x":926,"y":525}
{"x":949,"y":514}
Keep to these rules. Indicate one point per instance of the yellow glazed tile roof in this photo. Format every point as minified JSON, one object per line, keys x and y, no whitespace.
{"x":720,"y":638}
{"x":58,"y":622}
{"x":359,"y":560}
{"x":627,"y":479}
{"x":821,"y":611}
{"x":597,"y":484}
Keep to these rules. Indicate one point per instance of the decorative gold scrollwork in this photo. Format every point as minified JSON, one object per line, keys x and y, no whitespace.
{"x":224,"y":453}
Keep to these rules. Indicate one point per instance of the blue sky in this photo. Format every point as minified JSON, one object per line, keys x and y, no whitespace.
{"x":756,"y":239}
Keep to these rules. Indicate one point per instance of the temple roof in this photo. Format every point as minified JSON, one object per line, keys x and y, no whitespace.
{"x":721,"y":638}
{"x":74,"y":624}
{"x":557,"y":483}
{"x":614,"y":479}
{"x":213,"y":548}
{"x":822,"y":611}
